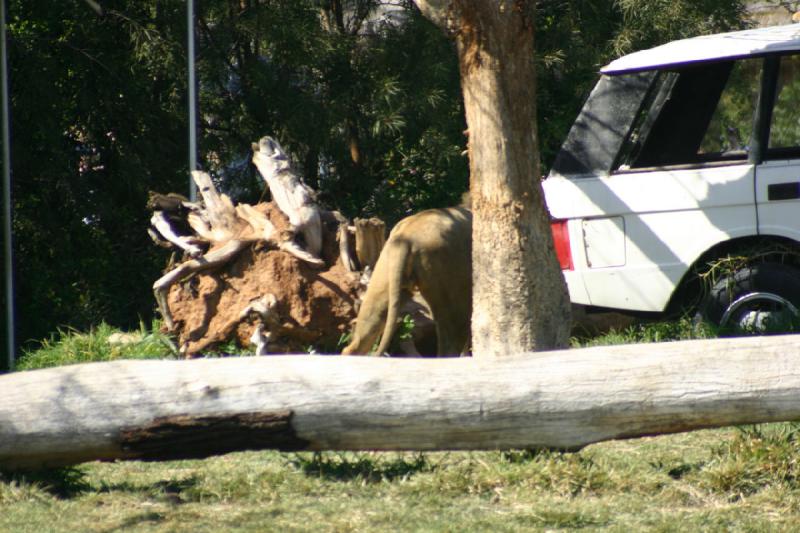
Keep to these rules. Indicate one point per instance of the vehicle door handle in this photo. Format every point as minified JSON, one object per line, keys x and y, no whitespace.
{"x":783,"y":191}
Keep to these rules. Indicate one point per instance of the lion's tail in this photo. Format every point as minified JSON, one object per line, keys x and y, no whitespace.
{"x":396,"y":273}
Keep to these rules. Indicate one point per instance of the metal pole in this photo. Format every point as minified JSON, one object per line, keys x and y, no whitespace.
{"x":8,"y":264}
{"x":192,"y":98}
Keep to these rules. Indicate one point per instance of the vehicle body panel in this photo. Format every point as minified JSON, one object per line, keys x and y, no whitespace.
{"x":657,"y":211}
{"x":778,"y":198}
{"x":679,"y":151}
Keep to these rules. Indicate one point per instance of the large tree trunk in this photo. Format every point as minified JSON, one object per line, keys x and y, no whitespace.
{"x":562,"y":399}
{"x":520,"y":301}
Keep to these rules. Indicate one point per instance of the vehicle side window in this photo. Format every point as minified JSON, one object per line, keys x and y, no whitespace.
{"x":695,"y":115}
{"x":730,"y":131}
{"x":784,"y":137}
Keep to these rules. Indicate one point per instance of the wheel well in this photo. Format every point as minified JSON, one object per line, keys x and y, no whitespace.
{"x":725,"y":257}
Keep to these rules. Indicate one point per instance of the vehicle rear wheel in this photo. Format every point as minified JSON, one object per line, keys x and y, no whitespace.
{"x":759,"y":299}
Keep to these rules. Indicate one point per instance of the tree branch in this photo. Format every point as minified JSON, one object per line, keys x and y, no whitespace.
{"x":437,"y":11}
{"x":97,"y":8}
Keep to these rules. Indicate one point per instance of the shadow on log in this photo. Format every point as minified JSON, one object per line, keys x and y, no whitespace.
{"x":561,"y":400}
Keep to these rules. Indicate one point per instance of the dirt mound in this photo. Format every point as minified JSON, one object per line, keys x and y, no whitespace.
{"x":315,"y":306}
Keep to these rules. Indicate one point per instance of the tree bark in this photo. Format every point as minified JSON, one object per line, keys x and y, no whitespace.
{"x":154,"y":410}
{"x":520,"y":300}
{"x":437,"y":11}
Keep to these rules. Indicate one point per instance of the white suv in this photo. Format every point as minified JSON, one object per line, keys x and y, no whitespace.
{"x":678,"y":186}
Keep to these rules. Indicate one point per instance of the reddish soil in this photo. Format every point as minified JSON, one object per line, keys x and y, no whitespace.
{"x":316,"y":305}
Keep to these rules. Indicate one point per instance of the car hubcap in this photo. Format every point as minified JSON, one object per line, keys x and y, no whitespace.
{"x":760,"y":312}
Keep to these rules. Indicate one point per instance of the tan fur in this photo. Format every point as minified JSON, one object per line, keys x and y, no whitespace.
{"x":431,"y":251}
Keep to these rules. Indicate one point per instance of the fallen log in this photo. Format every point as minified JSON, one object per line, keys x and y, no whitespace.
{"x":158,"y":410}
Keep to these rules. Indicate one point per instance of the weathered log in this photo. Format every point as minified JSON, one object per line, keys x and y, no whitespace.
{"x":217,"y":222}
{"x":169,"y":224}
{"x":190,"y":245}
{"x":265,"y":230}
{"x":154,"y":410}
{"x":292,"y":196}
{"x":344,"y":240}
{"x":370,"y":238}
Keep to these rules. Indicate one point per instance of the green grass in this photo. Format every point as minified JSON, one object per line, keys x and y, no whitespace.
{"x":69,"y":347}
{"x":720,"y":480}
{"x":733,"y":479}
{"x":682,"y":329}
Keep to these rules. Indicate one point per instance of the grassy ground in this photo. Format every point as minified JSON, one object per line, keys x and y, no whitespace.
{"x":735,"y":479}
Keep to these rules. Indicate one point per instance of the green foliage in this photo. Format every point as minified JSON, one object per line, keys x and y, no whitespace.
{"x":647,"y":23}
{"x":755,"y":459}
{"x":60,"y":483}
{"x":785,"y":117}
{"x":344,"y":340}
{"x":230,"y":347}
{"x":71,"y":347}
{"x":405,"y":328}
{"x":731,"y":125}
{"x":684,"y":328}
{"x":97,"y":116}
{"x":370,"y":111}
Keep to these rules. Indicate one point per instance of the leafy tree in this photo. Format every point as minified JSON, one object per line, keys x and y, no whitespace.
{"x":369,"y":105}
{"x":97,"y":121}
{"x":98,"y":100}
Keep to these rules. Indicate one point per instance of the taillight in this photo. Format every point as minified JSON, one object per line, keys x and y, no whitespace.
{"x":561,"y":243}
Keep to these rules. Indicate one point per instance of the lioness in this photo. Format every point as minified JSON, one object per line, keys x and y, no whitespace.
{"x":432,"y":251}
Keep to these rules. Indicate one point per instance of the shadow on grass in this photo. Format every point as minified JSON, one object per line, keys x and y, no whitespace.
{"x":530,"y":455}
{"x":363,"y":467}
{"x":173,"y":491}
{"x":565,"y":519}
{"x":172,"y":486}
{"x":152,"y":518}
{"x":61,"y":483}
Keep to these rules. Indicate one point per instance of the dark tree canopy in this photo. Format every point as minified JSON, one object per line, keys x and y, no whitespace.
{"x":368,"y":103}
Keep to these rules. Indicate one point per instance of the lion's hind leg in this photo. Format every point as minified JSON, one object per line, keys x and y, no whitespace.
{"x":370,"y":319}
{"x":364,"y":338}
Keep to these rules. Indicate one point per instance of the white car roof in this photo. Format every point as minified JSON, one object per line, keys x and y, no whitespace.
{"x":737,"y":44}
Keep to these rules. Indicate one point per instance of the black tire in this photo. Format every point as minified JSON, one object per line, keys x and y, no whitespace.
{"x":759,"y":299}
